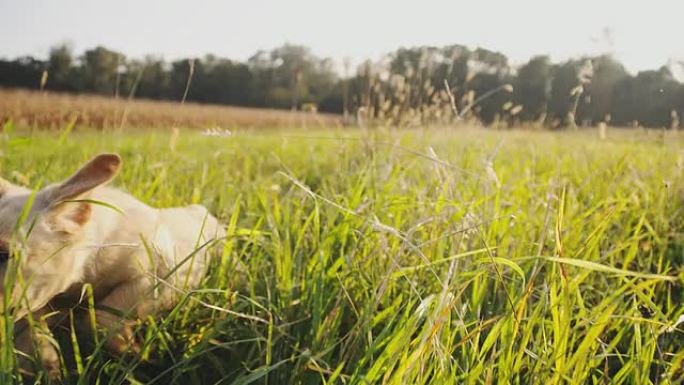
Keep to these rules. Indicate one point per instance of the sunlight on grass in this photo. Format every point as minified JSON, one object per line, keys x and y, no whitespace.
{"x":405,"y":257}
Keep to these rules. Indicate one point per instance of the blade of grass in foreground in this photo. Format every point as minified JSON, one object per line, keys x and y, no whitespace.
{"x":595,"y":266}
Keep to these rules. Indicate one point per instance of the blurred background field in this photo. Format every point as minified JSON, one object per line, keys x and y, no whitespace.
{"x":49,"y":111}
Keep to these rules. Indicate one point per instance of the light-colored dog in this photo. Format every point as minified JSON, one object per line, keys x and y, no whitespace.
{"x":137,"y":258}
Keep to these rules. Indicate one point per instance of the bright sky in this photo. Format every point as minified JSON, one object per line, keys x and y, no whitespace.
{"x":642,"y":34}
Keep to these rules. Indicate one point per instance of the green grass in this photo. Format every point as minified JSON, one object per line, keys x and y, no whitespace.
{"x":410,"y":257}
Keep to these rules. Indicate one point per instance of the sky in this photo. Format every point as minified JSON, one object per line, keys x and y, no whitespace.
{"x":641,"y":34}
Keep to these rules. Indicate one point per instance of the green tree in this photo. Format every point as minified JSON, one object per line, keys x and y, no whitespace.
{"x":647,"y":99}
{"x":533,"y":88}
{"x":60,"y":68}
{"x":99,"y":70}
{"x":607,"y":73}
{"x":152,"y":78}
{"x":220,"y":81}
{"x":288,"y":76}
{"x":563,"y":80}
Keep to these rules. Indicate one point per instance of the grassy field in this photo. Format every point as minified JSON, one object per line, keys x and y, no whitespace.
{"x":405,"y":257}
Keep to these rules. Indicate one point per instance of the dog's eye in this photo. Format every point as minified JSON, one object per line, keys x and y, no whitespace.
{"x":4,"y":254}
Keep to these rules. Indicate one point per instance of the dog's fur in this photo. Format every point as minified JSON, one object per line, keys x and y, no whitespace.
{"x":134,"y":256}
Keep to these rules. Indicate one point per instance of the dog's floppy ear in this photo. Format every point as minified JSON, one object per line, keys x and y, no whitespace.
{"x":98,"y":171}
{"x":69,"y":216}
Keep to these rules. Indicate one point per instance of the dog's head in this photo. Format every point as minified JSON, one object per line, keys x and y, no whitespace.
{"x":42,"y":233}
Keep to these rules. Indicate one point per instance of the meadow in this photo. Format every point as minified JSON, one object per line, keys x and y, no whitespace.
{"x":435,"y":256}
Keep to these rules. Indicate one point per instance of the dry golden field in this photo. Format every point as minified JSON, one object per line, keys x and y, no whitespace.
{"x":45,"y":110}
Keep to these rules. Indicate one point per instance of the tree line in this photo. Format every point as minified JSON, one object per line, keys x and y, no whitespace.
{"x":410,"y":85}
